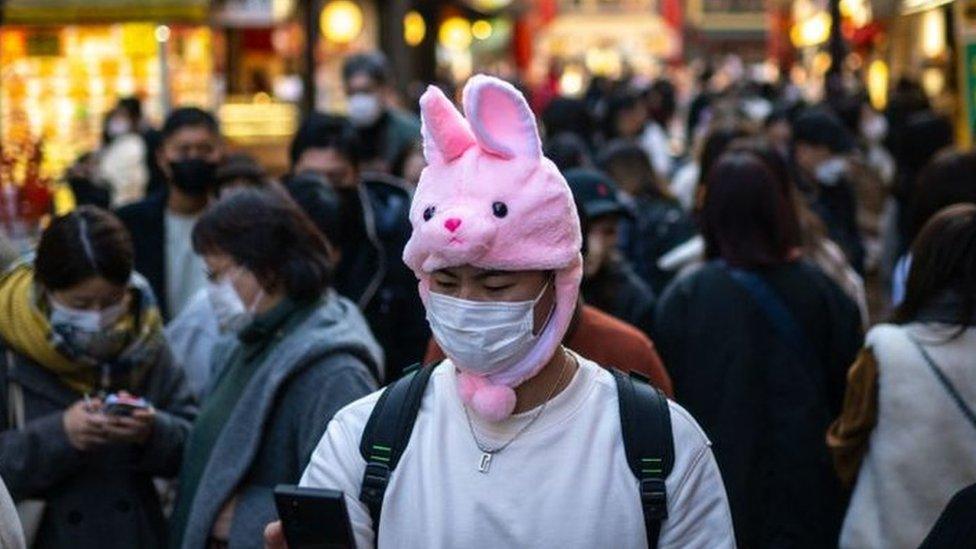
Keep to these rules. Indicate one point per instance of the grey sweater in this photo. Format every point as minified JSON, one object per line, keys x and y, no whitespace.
{"x":306,"y":378}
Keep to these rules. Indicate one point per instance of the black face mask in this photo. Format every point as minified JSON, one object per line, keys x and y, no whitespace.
{"x":193,"y":176}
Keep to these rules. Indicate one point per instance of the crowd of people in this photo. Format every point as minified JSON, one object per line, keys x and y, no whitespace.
{"x":793,"y":286}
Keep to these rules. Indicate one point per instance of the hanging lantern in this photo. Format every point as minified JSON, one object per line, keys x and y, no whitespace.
{"x":414,"y":28}
{"x":455,"y":33}
{"x":341,"y":21}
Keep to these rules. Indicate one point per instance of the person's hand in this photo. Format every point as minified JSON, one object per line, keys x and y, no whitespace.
{"x":85,"y":425}
{"x":134,"y":429}
{"x":274,"y":536}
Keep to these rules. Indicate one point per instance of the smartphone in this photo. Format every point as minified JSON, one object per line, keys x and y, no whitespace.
{"x":116,"y":405}
{"x":314,"y":518}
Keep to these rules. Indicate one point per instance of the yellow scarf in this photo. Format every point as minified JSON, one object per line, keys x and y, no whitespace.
{"x":26,"y":329}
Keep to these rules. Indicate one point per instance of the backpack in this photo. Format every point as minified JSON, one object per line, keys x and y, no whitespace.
{"x":645,"y":422}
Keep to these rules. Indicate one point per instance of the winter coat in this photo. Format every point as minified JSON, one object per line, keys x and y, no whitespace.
{"x":312,"y":372}
{"x":101,"y":498}
{"x":372,"y":273}
{"x":922,"y":449}
{"x":765,"y":408}
{"x":657,"y":227}
{"x":616,"y":289}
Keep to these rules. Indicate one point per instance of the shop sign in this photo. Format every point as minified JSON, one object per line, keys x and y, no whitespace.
{"x":971,"y":84}
{"x":253,"y":13}
{"x":58,"y":12}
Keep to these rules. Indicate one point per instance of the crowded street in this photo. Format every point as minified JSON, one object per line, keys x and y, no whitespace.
{"x":492,"y":274}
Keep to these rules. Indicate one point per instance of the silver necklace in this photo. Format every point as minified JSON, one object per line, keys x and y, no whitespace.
{"x":487,"y":452}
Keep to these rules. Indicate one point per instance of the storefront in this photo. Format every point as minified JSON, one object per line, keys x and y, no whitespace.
{"x":585,"y":38}
{"x":934,"y":43}
{"x":65,"y":63}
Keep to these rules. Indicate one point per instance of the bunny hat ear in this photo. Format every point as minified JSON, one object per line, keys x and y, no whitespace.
{"x":502,"y":121}
{"x":446,"y":134}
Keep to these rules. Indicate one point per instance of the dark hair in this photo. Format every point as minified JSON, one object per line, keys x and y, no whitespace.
{"x":240,"y":166}
{"x":819,"y":126}
{"x":943,"y":260}
{"x":326,"y":131}
{"x":618,"y":102}
{"x":567,"y":115}
{"x":264,"y":231}
{"x":950,"y":178}
{"x":133,"y":106}
{"x":567,"y":151}
{"x":716,"y":143}
{"x":316,"y":197}
{"x":189,"y":117}
{"x":373,"y":64}
{"x":88,"y":242}
{"x":746,"y":220}
{"x":661,"y":100}
{"x":808,"y":230}
{"x":623,"y":159}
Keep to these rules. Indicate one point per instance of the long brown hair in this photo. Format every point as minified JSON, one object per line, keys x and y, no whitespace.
{"x":746,"y":218}
{"x":943,"y":260}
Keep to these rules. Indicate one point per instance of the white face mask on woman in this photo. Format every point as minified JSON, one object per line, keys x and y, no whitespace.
{"x":231,"y":312}
{"x":90,"y":332}
{"x":84,"y":320}
{"x":483,"y":337}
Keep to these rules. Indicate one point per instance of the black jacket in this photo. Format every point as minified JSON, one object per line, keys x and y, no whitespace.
{"x":144,"y":219}
{"x":658,"y":226}
{"x":102,"y":498}
{"x":372,"y":273}
{"x":617,"y":290}
{"x":765,"y":409}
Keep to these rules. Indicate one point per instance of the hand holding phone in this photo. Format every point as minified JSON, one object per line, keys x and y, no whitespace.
{"x":124,"y":404}
{"x":314,"y":518}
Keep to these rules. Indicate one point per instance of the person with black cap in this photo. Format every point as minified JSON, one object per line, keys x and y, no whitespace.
{"x":821,"y":145}
{"x":609,"y":281}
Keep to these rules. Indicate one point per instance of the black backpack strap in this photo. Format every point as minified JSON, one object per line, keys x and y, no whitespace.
{"x":645,"y":422}
{"x":386,"y":435}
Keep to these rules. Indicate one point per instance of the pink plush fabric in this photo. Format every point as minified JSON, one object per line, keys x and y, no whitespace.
{"x":494,"y":155}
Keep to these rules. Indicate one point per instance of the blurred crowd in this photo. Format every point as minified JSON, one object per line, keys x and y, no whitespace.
{"x":801,"y":278}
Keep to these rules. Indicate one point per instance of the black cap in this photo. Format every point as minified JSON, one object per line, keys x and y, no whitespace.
{"x":819,"y":126}
{"x":595,"y":192}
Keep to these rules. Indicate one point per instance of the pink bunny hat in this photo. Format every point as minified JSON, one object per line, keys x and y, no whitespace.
{"x":488,"y":198}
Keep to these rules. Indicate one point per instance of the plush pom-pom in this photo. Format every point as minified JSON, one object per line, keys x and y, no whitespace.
{"x":493,"y":402}
{"x":468,"y":384}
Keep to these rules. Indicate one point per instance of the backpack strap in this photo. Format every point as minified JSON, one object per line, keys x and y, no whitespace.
{"x":645,"y":422}
{"x":386,"y":435}
{"x":783,"y":322}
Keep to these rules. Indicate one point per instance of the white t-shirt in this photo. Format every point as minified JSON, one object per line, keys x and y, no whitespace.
{"x":185,"y":270}
{"x":563,"y":483}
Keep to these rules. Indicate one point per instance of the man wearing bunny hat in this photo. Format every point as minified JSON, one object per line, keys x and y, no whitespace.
{"x":517,"y":441}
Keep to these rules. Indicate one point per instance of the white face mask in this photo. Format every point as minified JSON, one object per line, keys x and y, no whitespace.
{"x":364,"y":109}
{"x":483,"y":337}
{"x":875,"y":128}
{"x":84,"y":320}
{"x":118,"y":125}
{"x":232,"y":315}
{"x":90,"y":333}
{"x":830,"y":172}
